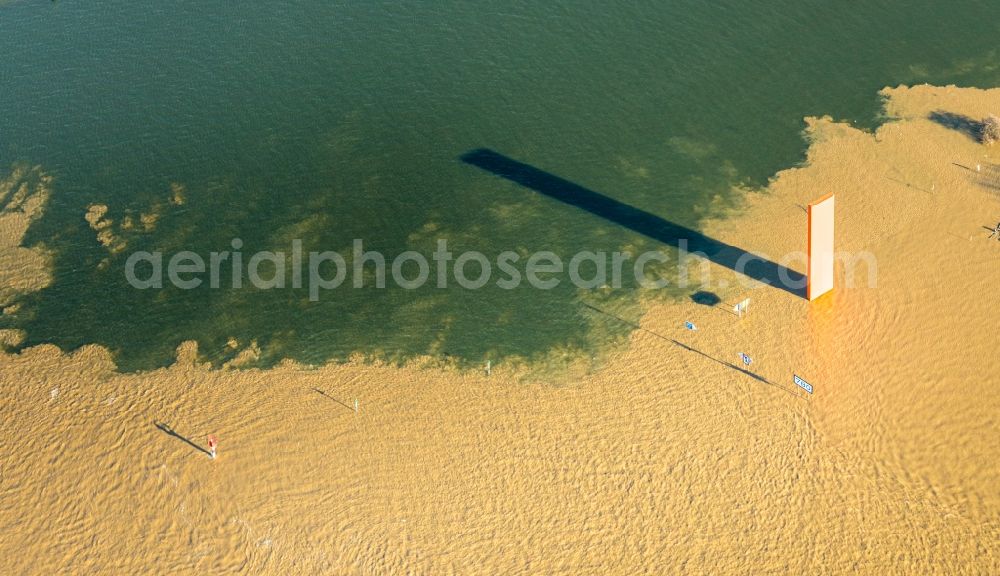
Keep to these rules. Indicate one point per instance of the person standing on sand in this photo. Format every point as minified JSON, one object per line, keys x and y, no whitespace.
{"x":996,"y":232}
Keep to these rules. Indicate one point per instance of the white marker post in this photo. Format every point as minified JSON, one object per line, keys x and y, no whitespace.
{"x":212,"y":443}
{"x":741,"y":308}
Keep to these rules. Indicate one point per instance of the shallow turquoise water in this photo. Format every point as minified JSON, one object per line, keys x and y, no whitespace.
{"x":347,"y":120}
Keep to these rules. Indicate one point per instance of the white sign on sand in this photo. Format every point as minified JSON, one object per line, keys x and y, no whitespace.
{"x":802,"y":384}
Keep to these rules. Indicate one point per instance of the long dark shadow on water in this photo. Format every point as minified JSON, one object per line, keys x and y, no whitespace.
{"x":640,"y":221}
{"x":170,"y":432}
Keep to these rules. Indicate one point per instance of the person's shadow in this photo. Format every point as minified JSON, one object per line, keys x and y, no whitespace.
{"x":170,"y":432}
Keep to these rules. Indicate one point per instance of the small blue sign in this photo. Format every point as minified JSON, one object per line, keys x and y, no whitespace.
{"x":746,"y":359}
{"x":803,"y":384}
{"x":690,"y":326}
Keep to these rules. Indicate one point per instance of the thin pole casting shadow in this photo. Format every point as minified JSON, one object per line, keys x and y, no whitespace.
{"x":732,"y":366}
{"x":321,"y":393}
{"x":170,"y":432}
{"x":637,"y":220}
{"x":699,"y":352}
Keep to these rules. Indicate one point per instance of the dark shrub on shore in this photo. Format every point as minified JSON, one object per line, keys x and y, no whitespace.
{"x":991,"y":129}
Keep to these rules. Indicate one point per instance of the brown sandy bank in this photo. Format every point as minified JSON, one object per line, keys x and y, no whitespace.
{"x":666,"y":461}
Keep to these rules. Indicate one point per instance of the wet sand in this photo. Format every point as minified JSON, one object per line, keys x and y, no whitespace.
{"x":669,"y":459}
